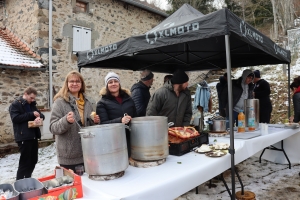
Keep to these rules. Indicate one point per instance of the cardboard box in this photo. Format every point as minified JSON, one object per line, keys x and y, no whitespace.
{"x":67,"y":192}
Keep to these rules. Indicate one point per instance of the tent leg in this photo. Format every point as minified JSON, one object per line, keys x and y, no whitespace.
{"x":229,"y":83}
{"x":289,"y":91}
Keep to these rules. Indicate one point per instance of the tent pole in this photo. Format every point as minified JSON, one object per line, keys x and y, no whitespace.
{"x":289,"y":90}
{"x":229,"y":83}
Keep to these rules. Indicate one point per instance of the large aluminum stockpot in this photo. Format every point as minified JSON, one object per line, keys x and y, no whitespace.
{"x":149,"y":138}
{"x":104,"y":149}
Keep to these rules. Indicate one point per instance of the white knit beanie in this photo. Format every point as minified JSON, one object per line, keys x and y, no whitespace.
{"x":110,"y":76}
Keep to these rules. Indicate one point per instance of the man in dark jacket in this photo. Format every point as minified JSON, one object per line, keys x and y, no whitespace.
{"x":242,"y":88}
{"x":173,"y":100}
{"x":220,"y":86}
{"x":22,"y":110}
{"x":140,"y":92}
{"x":262,"y":93}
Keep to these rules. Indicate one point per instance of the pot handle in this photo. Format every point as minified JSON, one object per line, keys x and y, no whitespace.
{"x":170,"y":124}
{"x":127,"y":127}
{"x":89,"y":135}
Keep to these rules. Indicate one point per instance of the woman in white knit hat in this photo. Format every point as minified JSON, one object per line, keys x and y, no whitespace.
{"x":116,"y":105}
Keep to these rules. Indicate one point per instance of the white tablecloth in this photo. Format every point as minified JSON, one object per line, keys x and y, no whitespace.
{"x":291,"y":148}
{"x":178,"y":174}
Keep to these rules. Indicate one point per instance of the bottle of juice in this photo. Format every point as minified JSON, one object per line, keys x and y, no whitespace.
{"x":241,"y":122}
{"x":251,"y":120}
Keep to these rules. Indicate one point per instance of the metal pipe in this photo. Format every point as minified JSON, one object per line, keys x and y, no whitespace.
{"x":229,"y":83}
{"x":50,"y":56}
{"x":289,"y":90}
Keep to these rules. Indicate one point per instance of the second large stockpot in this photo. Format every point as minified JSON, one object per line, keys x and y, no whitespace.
{"x":149,"y":138}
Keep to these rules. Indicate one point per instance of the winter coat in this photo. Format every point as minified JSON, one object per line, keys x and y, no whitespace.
{"x":296,"y":103}
{"x":68,"y":141}
{"x":262,"y":93}
{"x":164,"y":102}
{"x":140,"y":95}
{"x":111,"y":111}
{"x":20,"y":118}
{"x":237,"y":91}
{"x":220,"y":86}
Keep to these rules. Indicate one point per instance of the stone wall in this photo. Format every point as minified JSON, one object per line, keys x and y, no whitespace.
{"x":12,"y":84}
{"x":110,"y":22}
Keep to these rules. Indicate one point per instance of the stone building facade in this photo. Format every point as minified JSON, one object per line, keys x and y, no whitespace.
{"x":108,"y":20}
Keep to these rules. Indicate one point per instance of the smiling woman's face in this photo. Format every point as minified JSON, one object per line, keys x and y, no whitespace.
{"x":113,"y":86}
{"x":74,"y":85}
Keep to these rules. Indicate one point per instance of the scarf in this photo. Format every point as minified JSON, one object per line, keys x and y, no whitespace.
{"x":80,"y":106}
{"x":298,"y":90}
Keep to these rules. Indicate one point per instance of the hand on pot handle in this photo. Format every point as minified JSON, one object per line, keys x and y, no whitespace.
{"x":126,"y":119}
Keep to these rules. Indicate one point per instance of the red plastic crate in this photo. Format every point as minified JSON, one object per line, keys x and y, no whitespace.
{"x":64,"y":192}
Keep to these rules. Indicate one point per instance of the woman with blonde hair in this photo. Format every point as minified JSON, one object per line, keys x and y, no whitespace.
{"x":71,"y":108}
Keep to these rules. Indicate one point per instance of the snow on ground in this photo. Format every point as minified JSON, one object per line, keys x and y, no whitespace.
{"x":269,"y":181}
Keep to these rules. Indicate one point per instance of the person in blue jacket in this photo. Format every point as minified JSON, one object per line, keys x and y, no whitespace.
{"x":140,"y":93}
{"x":22,"y":110}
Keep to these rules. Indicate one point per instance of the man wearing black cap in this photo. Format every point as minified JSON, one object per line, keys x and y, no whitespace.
{"x":242,"y":88}
{"x":173,"y":100}
{"x":140,"y":92}
{"x":262,"y":93}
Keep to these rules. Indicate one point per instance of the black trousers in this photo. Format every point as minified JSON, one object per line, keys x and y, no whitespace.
{"x":28,"y":158}
{"x":265,"y":113}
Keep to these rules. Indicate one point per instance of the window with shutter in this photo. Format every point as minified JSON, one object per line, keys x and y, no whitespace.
{"x":81,"y":38}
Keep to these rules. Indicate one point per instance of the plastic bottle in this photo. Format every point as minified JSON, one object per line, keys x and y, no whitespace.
{"x":241,"y":122}
{"x":251,"y":120}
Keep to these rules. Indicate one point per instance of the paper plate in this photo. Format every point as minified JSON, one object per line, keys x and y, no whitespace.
{"x":216,"y":154}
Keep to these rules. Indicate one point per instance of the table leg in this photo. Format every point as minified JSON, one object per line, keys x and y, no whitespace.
{"x":276,"y":149}
{"x":226,"y":186}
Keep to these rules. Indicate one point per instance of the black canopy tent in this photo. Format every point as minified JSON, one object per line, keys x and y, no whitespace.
{"x":191,"y":41}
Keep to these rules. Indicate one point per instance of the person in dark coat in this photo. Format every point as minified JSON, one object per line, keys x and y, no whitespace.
{"x":220,"y":86}
{"x":242,"y":88}
{"x":167,"y":77}
{"x":173,"y":100}
{"x":116,"y":105}
{"x":262,"y":92}
{"x":140,"y":92}
{"x":295,"y":87}
{"x":22,"y":110}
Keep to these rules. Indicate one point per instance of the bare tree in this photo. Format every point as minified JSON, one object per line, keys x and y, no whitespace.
{"x":275,"y":19}
{"x":284,"y":15}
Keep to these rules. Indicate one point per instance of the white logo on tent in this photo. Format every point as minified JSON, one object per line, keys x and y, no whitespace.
{"x":151,"y":40}
{"x":102,"y":50}
{"x":280,"y":51}
{"x":171,"y":32}
{"x":247,"y":31}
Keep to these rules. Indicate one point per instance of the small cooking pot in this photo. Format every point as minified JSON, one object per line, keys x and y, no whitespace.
{"x":217,"y":125}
